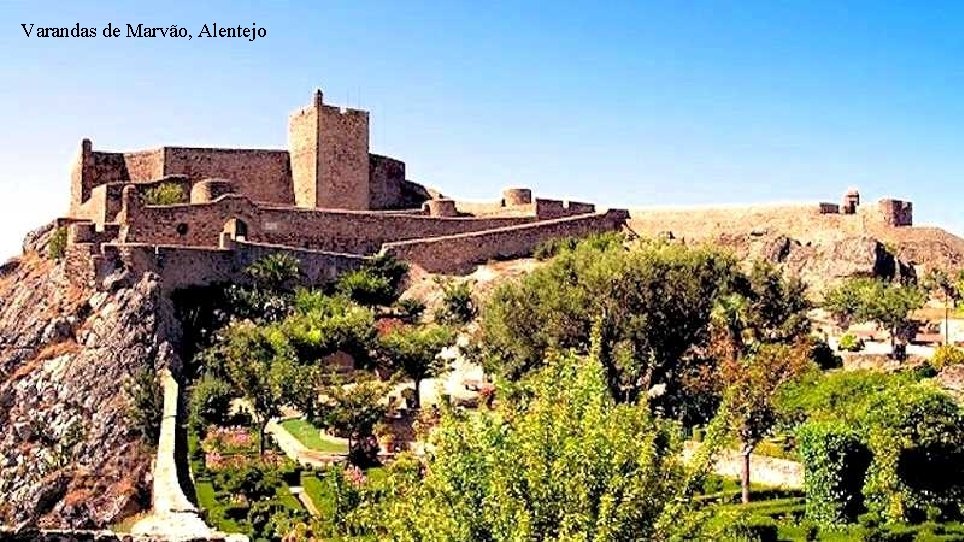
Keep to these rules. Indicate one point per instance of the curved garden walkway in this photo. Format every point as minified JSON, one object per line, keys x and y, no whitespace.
{"x":294,"y":449}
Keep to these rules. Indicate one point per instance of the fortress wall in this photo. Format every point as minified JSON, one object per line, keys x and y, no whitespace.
{"x":895,"y":212}
{"x":552,"y":208}
{"x":108,"y":167}
{"x":79,"y":263}
{"x":144,"y":165}
{"x":387,"y":175}
{"x":318,"y":267}
{"x":262,"y":175}
{"x":340,"y":231}
{"x":495,"y":208}
{"x":580,"y":207}
{"x":362,"y":233}
{"x":799,"y":221}
{"x":95,"y":207}
{"x":198,"y":224}
{"x":458,"y":253}
{"x":180,"y":267}
{"x":483,"y":208}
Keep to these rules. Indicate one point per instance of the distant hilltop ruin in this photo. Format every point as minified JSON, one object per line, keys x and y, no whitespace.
{"x":326,"y":200}
{"x":794,"y":219}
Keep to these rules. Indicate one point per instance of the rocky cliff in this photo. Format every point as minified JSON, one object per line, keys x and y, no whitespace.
{"x":69,"y":456}
{"x":822,"y":263}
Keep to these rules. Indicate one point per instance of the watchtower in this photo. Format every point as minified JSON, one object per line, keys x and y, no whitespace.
{"x":851,"y":201}
{"x":328,"y":147}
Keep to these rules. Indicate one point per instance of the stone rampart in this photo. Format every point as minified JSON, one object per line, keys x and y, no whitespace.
{"x":708,"y":223}
{"x":800,"y":221}
{"x":458,"y":253}
{"x":387,"y":177}
{"x":262,"y":175}
{"x":181,"y":267}
{"x":338,"y":231}
{"x":552,"y":208}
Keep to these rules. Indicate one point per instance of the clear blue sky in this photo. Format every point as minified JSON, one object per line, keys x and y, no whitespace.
{"x":624,"y":104}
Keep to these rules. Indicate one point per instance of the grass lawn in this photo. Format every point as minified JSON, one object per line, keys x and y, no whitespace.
{"x":310,"y":436}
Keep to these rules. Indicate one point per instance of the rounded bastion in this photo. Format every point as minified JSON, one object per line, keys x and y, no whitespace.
{"x":441,"y":207}
{"x":211,"y":189}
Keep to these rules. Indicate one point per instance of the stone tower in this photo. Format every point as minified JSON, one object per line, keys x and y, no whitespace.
{"x":851,"y":200}
{"x":329,"y":156}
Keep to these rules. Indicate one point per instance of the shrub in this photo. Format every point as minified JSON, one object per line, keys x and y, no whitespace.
{"x":835,"y":462}
{"x":57,"y":245}
{"x":945,"y":356}
{"x":165,"y":194}
{"x":914,"y":431}
{"x":925,"y":370}
{"x":457,"y":306}
{"x":254,"y":479}
{"x":410,"y":310}
{"x":550,"y":248}
{"x":275,"y":272}
{"x":850,"y":343}
{"x":366,"y":287}
{"x":147,"y":405}
{"x":390,"y":269}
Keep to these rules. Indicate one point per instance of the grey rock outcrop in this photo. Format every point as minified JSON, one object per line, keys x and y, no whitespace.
{"x":68,"y":455}
{"x":822,"y":263}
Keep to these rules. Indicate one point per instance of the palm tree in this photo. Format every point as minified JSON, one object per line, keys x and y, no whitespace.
{"x":729,"y":318}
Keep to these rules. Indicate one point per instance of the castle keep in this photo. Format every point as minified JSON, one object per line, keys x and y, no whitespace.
{"x":326,"y":200}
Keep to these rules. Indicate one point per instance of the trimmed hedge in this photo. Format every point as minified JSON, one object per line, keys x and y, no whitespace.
{"x":835,"y":462}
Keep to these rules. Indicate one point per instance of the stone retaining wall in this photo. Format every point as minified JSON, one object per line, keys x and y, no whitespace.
{"x":459,"y":253}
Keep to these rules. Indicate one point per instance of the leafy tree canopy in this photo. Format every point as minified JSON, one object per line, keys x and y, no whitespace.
{"x":571,"y":464}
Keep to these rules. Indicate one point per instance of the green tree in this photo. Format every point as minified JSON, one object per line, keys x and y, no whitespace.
{"x":331,"y":326}
{"x":260,"y":365}
{"x":651,"y":306}
{"x":458,"y":305}
{"x":777,"y":306}
{"x":414,"y":352}
{"x":57,"y":246}
{"x":751,"y":382}
{"x":387,"y":267}
{"x":569,"y":463}
{"x":887,"y":304}
{"x":354,"y":409}
{"x":211,"y":401}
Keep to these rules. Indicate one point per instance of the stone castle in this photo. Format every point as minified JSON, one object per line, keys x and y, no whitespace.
{"x":331,"y":203}
{"x":327,"y":201}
